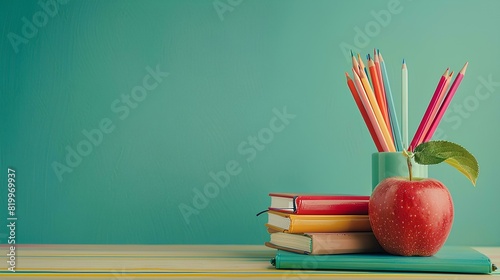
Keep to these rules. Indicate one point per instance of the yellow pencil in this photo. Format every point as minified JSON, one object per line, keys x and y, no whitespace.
{"x":361,"y":66}
{"x":369,"y":112}
{"x":376,"y":110}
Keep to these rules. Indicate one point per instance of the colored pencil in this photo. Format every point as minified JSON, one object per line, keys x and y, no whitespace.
{"x":446,"y":103}
{"x":379,"y":70}
{"x":434,"y":112}
{"x":376,"y":86}
{"x":376,"y":110}
{"x":362,"y":110}
{"x":370,"y":112}
{"x":404,"y":102}
{"x":362,"y":66}
{"x":384,"y":108}
{"x":372,"y":93}
{"x":419,"y":134}
{"x":355,"y":63}
{"x":396,"y":133}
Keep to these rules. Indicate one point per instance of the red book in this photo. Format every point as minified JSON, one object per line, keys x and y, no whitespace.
{"x":317,"y":204}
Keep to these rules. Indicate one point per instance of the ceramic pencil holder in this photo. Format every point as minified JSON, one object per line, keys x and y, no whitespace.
{"x":393,"y":164}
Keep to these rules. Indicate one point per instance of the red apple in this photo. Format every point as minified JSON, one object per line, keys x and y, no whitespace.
{"x":411,"y":218}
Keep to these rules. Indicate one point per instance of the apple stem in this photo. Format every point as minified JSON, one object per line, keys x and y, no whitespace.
{"x":408,"y":162}
{"x":408,"y":155}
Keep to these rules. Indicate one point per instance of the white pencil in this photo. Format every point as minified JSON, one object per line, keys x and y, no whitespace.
{"x":404,"y":104}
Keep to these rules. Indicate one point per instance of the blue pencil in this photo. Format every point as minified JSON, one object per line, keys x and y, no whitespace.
{"x":396,"y":133}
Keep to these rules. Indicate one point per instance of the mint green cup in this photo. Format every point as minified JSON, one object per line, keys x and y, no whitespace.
{"x":393,"y":164}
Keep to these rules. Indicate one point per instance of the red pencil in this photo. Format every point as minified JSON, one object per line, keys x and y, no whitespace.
{"x":376,"y":60}
{"x":362,"y":110}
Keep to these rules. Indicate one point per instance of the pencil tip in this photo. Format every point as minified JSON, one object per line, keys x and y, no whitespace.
{"x":352,"y":54}
{"x":403,"y":61}
{"x":378,"y":51}
{"x":464,"y":68}
{"x":368,"y":56}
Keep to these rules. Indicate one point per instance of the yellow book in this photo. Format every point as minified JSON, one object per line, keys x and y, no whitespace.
{"x":292,"y":223}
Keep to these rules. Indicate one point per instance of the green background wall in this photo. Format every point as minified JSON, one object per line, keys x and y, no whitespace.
{"x":232,"y":67}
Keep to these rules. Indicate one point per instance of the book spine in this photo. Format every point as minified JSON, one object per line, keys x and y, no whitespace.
{"x":330,"y":207}
{"x":345,"y":243}
{"x":379,"y":263}
{"x":347,"y":223}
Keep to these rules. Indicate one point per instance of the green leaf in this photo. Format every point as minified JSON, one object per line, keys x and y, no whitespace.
{"x":434,"y":152}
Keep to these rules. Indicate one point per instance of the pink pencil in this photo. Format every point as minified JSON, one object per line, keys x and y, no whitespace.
{"x":369,"y":111}
{"x":428,"y":112}
{"x":355,"y":63}
{"x":446,"y":102}
{"x":434,"y":112}
{"x":362,"y":110}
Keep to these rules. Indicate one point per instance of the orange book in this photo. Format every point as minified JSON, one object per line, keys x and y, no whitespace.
{"x":293,"y":223}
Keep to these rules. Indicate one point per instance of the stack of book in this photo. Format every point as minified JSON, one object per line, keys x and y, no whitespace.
{"x":320,"y":224}
{"x":332,"y":232}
